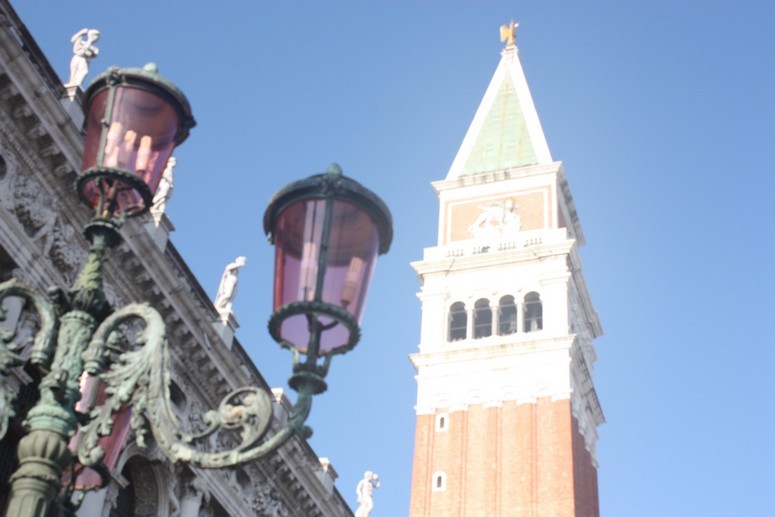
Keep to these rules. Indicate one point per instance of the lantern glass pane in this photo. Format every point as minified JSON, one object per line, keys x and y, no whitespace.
{"x":138,"y":139}
{"x":341,"y":277}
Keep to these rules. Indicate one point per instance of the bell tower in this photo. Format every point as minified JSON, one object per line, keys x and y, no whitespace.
{"x":507,"y":412}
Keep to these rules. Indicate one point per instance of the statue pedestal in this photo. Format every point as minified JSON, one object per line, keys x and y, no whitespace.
{"x":327,"y":475}
{"x":160,"y":227}
{"x":226,"y":327}
{"x":72,"y":101}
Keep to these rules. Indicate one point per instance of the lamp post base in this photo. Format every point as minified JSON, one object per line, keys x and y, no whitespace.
{"x":43,"y":456}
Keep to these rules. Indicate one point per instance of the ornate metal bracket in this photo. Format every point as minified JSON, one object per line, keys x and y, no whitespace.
{"x":140,"y":378}
{"x":43,"y":344}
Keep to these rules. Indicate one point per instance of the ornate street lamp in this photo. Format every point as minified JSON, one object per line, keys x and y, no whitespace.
{"x":328,"y":231}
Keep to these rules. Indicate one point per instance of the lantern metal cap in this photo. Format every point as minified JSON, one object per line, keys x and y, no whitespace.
{"x":332,"y":184}
{"x":147,"y":78}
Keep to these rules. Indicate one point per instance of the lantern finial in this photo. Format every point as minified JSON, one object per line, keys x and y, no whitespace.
{"x":334,"y":169}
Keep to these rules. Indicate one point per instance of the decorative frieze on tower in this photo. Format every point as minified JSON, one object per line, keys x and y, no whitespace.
{"x":506,"y":408}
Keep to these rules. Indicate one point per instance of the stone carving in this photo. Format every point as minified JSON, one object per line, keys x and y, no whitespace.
{"x":35,"y":212}
{"x":228,"y":288}
{"x":66,"y":256}
{"x":8,"y":171}
{"x":268,"y":503}
{"x":83,"y":52}
{"x":164,"y":192}
{"x":496,"y":220}
{"x":192,"y":422}
{"x":365,"y":492}
{"x":112,"y":295}
{"x":38,"y":215}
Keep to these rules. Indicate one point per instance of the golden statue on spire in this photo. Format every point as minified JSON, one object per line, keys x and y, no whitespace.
{"x":508,"y":32}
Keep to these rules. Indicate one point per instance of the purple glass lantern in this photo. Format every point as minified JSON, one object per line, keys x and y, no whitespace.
{"x":328,"y":231}
{"x":134,"y":120}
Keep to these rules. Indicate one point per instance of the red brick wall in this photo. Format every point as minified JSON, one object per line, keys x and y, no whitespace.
{"x":514,"y":460}
{"x":421,"y":475}
{"x":585,"y":474}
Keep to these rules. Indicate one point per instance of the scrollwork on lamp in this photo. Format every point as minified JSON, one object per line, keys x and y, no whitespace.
{"x":327,"y":230}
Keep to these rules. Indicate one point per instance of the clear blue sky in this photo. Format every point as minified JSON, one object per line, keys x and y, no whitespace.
{"x":663,"y":114}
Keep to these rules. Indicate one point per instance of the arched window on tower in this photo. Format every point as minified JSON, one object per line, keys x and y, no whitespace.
{"x":533,"y":312}
{"x":482,"y":319}
{"x":507,"y":316}
{"x":458,"y":321}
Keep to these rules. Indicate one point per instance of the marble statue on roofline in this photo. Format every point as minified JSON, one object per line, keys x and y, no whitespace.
{"x":365,"y":492}
{"x":164,"y":192}
{"x":227,"y":291}
{"x":83,"y":52}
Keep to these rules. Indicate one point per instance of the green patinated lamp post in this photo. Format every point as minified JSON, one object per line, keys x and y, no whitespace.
{"x":328,"y":231}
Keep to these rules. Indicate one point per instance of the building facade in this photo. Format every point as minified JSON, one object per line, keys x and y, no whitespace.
{"x":507,"y":413}
{"x":40,"y":243}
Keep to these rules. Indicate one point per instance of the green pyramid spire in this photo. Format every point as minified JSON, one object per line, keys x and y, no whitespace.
{"x":505,"y":132}
{"x":504,"y":140}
